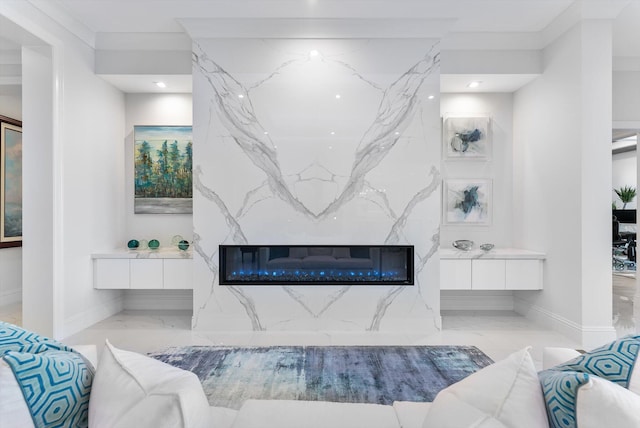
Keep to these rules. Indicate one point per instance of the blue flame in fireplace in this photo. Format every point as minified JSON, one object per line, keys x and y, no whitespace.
{"x":282,"y":275}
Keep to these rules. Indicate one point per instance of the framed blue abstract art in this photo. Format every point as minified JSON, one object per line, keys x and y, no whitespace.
{"x":467,"y":138}
{"x":467,"y":201}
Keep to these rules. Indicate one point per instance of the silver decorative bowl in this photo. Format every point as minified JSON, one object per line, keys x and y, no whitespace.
{"x":463,"y":244}
{"x":486,"y":247}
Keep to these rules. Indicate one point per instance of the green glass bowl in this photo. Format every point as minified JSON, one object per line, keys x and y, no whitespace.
{"x":154,"y":244}
{"x":183,"y":245}
{"x":133,"y":244}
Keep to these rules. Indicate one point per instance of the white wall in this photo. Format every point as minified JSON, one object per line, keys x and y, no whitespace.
{"x":626,"y":96}
{"x":72,"y":175}
{"x":10,"y":258}
{"x":498,"y":168}
{"x":11,"y":106}
{"x":93,"y":176}
{"x":153,"y":109}
{"x":374,"y":181}
{"x":562,"y":183}
{"x":624,"y":174}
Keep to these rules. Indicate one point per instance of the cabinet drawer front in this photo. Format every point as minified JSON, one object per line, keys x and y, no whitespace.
{"x":111,"y":273}
{"x":178,"y":274}
{"x":455,"y":274}
{"x":488,"y":274}
{"x":524,"y":274}
{"x":146,"y":273}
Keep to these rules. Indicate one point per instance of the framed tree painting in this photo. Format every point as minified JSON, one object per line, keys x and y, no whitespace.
{"x":467,"y":137}
{"x":467,"y":201}
{"x":10,"y":182}
{"x":163,"y":170}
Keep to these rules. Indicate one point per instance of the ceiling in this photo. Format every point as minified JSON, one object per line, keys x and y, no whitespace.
{"x":156,"y":25}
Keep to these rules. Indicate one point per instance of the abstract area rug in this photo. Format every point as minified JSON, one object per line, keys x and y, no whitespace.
{"x":348,"y":374}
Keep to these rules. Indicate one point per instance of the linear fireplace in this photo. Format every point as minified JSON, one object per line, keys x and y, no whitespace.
{"x":316,"y":265}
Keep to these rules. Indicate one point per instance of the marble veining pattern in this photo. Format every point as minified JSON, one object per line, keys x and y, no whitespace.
{"x":234,"y":117}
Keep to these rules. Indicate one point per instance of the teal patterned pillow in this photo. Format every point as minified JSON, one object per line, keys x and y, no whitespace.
{"x":14,"y":338}
{"x":56,"y":386}
{"x":614,"y":362}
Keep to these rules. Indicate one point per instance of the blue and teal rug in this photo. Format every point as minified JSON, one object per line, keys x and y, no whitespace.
{"x":347,"y":374}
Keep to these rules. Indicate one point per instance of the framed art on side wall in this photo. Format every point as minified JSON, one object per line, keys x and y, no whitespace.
{"x":467,"y":201}
{"x":467,"y":137}
{"x":163,"y":170}
{"x":10,"y":182}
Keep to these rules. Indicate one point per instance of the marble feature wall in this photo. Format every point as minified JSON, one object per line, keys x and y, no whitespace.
{"x":316,"y":142}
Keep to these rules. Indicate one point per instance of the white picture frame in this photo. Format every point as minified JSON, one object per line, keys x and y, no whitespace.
{"x":467,"y":137}
{"x":467,"y":202}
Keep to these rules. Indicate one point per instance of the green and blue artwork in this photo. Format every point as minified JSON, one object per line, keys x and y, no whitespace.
{"x":163,"y":170}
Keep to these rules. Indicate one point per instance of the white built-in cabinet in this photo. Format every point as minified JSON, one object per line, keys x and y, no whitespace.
{"x":500,"y":269}
{"x":152,"y":271}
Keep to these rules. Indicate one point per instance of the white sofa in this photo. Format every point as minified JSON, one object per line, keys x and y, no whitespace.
{"x":134,"y":391}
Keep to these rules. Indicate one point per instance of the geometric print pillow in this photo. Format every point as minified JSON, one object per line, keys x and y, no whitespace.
{"x":56,"y":386}
{"x":14,"y":338}
{"x":614,"y":362}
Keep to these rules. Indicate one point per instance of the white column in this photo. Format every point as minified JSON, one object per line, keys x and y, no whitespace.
{"x":39,"y":297}
{"x":596,"y":177}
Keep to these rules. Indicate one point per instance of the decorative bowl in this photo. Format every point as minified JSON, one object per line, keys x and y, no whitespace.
{"x":486,"y":247}
{"x":183,"y":245}
{"x":154,"y":244}
{"x":133,"y":244}
{"x":463,"y":244}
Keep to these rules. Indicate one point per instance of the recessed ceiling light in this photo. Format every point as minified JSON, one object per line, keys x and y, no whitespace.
{"x":338,"y":96}
{"x":397,"y":133}
{"x":332,"y":132}
{"x":240,"y":96}
{"x":160,"y":84}
{"x":474,"y":84}
{"x":266,"y":132}
{"x":430,"y":97}
{"x":313,"y":53}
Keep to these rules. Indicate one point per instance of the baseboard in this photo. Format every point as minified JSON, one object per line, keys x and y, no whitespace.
{"x":92,"y":315}
{"x":451,"y":300}
{"x":158,"y":300}
{"x":588,"y":336}
{"x":8,"y":297}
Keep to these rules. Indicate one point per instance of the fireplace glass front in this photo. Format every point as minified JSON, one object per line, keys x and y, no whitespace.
{"x":316,"y":265}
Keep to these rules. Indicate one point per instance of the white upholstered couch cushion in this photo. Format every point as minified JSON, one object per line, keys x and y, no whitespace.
{"x":314,"y":414}
{"x":411,"y":414}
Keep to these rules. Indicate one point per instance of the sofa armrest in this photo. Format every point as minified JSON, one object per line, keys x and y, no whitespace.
{"x":551,"y":357}
{"x":90,"y":352}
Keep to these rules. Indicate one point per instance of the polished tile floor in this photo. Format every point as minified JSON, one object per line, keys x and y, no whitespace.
{"x":497,"y":333}
{"x":624,"y":288}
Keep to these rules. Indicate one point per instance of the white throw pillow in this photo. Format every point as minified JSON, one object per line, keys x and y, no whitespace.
{"x":506,"y":394}
{"x":13,"y":409}
{"x":134,"y":391}
{"x":601,"y":403}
